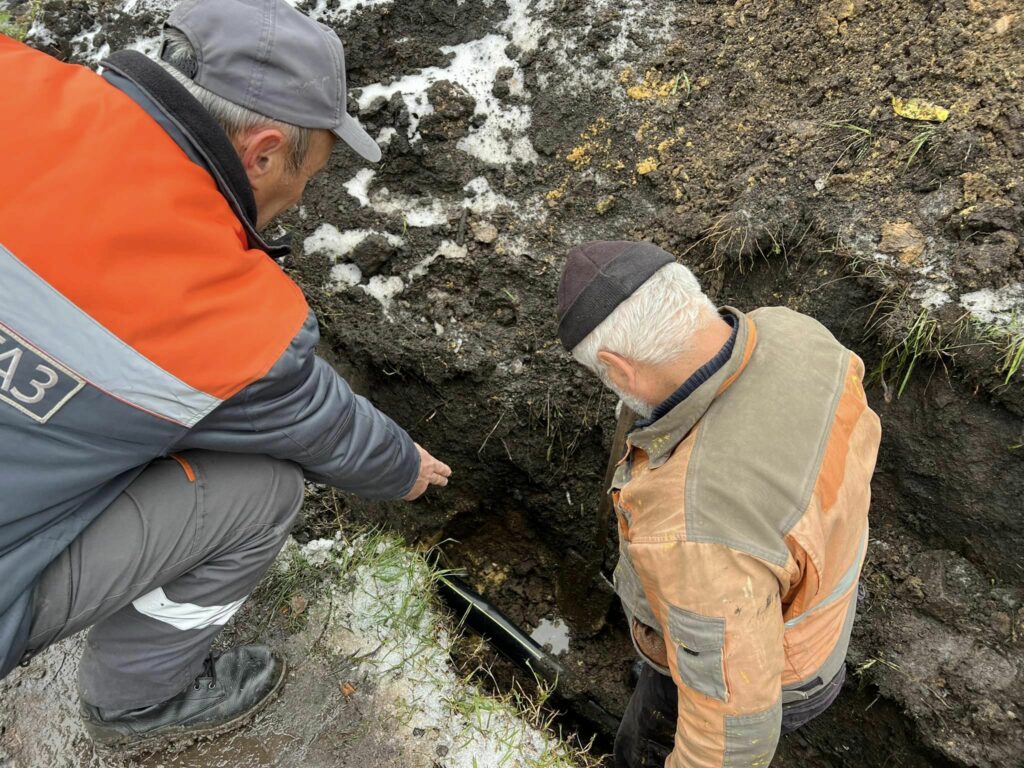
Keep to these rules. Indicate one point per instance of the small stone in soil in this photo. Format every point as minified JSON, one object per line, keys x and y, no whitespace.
{"x":484,"y":231}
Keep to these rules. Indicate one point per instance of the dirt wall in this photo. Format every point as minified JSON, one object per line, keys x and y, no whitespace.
{"x":761,"y":143}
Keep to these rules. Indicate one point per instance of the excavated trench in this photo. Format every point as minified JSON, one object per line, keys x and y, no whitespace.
{"x":510,"y":530}
{"x":757,"y":141}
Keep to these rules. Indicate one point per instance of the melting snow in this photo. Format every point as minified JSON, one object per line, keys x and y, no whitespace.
{"x":384,"y":289}
{"x":339,"y":13}
{"x":415,"y":211}
{"x":482,"y":199}
{"x":329,"y":240}
{"x":85,"y":48}
{"x":931,"y":296}
{"x":347,"y":275}
{"x":381,"y":615}
{"x":999,"y":307}
{"x":502,"y":138}
{"x":448,"y":249}
{"x":359,"y":185}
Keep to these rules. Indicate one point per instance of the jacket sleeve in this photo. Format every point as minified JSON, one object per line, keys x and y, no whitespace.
{"x":721,"y":618}
{"x":304,"y":411}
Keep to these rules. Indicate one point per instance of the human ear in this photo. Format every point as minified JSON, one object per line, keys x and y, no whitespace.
{"x":621,"y":372}
{"x":263,"y":155}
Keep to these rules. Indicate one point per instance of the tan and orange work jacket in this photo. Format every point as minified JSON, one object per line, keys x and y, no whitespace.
{"x":743,"y":521}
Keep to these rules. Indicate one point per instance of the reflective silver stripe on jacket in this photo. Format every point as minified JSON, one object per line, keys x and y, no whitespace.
{"x":844,"y":585}
{"x":35,"y":310}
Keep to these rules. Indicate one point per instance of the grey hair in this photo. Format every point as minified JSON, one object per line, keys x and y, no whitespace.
{"x":178,"y":57}
{"x":654,"y":325}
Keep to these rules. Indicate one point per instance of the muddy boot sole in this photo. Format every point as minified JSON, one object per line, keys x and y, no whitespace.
{"x":178,"y":739}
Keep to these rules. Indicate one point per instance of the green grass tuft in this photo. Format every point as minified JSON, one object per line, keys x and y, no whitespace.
{"x":922,"y":139}
{"x":17,"y":26}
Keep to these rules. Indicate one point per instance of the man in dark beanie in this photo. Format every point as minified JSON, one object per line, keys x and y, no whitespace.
{"x":742,"y":504}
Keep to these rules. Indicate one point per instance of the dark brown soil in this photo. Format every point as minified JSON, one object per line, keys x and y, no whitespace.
{"x":759,"y":143}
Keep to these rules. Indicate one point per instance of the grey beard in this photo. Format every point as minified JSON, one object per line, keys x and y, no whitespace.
{"x":635,"y":404}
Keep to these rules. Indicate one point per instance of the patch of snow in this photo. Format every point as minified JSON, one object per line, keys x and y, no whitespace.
{"x":339,"y":13}
{"x":318,"y":552}
{"x":381,"y":614}
{"x":358,"y":186}
{"x":39,"y":34}
{"x":483,"y":200}
{"x":425,"y":211}
{"x":999,"y":307}
{"x":347,"y":275}
{"x":336,"y":245}
{"x":552,"y":634}
{"x":385,"y":136}
{"x":931,"y":296}
{"x":451,"y":250}
{"x":522,"y":26}
{"x":158,"y":7}
{"x":415,"y":212}
{"x":575,"y":64}
{"x":502,"y":139}
{"x":448,"y":249}
{"x":384,"y":289}
{"x":84,"y":46}
{"x":329,"y":240}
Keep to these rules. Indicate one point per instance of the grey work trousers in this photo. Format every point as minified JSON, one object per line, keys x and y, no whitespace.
{"x":162,"y":569}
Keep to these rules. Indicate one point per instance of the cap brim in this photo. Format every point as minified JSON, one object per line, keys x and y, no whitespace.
{"x":353,"y":134}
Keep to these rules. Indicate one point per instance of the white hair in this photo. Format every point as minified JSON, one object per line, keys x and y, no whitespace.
{"x":178,"y":57}
{"x":654,"y":325}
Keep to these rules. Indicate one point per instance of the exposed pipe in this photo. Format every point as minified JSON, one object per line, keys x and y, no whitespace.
{"x":519,"y":647}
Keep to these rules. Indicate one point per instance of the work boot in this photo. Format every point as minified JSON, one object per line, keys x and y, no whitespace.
{"x":230,"y":690}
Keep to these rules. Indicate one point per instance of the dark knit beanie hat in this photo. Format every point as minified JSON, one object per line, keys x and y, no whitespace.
{"x":597,"y":277}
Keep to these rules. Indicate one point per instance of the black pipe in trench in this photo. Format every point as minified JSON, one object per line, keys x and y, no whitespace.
{"x":519,"y":647}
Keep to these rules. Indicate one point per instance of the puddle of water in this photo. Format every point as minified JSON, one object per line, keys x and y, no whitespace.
{"x":554,"y":635}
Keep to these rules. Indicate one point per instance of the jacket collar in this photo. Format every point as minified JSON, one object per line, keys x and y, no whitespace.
{"x":659,"y":438}
{"x":701,"y":375}
{"x":195,"y":131}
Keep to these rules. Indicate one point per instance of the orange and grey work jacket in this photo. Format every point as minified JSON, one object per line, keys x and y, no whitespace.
{"x":743,"y":522}
{"x":141,"y":315}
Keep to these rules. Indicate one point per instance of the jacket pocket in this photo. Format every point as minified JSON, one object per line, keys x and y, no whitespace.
{"x":699,"y":642}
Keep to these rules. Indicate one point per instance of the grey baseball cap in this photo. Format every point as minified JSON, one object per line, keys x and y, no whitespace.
{"x":268,"y":57}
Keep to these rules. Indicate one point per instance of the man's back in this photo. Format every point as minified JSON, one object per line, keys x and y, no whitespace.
{"x":744,"y":517}
{"x":130,"y":306}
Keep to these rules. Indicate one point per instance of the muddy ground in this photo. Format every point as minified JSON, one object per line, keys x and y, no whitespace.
{"x":758,"y":141}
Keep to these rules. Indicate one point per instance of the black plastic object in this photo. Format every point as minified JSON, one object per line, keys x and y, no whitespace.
{"x":519,"y":647}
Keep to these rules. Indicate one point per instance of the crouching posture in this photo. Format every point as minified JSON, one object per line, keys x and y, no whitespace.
{"x":742,"y":504}
{"x":160,"y":395}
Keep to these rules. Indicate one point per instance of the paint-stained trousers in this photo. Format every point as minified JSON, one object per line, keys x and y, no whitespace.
{"x":160,"y":572}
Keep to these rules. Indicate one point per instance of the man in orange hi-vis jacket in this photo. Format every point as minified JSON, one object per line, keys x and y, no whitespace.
{"x":161,"y":399}
{"x":742,"y":504}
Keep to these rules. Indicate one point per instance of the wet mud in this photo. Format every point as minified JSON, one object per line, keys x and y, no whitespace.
{"x":759,"y":142}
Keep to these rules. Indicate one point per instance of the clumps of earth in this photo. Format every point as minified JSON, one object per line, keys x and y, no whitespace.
{"x":858,"y":161}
